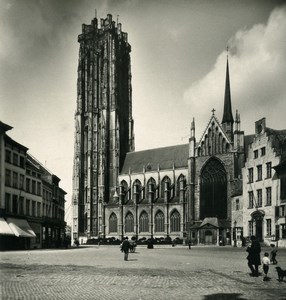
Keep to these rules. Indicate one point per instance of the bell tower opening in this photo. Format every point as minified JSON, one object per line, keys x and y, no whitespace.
{"x":213,"y":190}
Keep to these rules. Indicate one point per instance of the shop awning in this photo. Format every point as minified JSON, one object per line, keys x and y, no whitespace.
{"x":4,"y":228}
{"x":21,"y":227}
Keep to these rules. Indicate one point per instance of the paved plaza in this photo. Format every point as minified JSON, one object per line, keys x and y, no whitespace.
{"x":165,"y":272}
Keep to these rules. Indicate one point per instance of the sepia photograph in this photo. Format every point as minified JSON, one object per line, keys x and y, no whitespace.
{"x":143,"y":149}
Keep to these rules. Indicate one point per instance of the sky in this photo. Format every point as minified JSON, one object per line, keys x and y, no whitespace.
{"x":178,"y":63}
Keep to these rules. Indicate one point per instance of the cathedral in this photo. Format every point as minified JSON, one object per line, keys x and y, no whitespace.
{"x":182,"y":191}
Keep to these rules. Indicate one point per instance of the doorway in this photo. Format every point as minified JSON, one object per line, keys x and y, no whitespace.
{"x":259,"y":230}
{"x":208,"y":237}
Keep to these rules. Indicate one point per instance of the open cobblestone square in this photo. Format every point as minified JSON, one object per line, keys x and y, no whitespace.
{"x":165,"y":272}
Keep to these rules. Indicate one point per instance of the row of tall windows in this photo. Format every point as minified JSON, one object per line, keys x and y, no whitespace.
{"x":16,"y":180}
{"x":159,"y":222}
{"x":166,"y":190}
{"x":17,"y":205}
{"x":268,"y":228}
{"x":258,"y":201}
{"x":14,"y":158}
{"x":268,"y":172}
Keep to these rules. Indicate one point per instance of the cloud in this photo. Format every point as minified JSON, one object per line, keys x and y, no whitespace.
{"x":257,"y":59}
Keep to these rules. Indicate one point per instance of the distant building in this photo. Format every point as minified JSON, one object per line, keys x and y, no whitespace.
{"x":194,"y":191}
{"x":31,"y":201}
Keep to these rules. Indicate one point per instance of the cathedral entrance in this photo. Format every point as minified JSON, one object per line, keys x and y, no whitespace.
{"x":208,"y":237}
{"x":213,"y":190}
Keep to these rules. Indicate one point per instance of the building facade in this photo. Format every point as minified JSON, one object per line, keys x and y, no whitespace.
{"x":103,"y":121}
{"x":25,"y":211}
{"x":263,"y":189}
{"x":194,"y":191}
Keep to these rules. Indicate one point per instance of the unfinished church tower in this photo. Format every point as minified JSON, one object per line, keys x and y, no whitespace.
{"x":103,"y":122}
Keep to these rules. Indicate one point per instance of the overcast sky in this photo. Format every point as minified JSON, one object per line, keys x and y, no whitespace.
{"x":178,"y":63}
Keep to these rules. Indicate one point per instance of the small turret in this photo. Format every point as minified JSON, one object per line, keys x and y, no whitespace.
{"x":192,"y":140}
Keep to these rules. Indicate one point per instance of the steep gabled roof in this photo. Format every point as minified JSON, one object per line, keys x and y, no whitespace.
{"x":165,"y":158}
{"x":215,"y":120}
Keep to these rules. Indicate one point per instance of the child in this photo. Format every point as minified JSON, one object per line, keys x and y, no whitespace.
{"x":266,"y":263}
{"x":273,"y":254}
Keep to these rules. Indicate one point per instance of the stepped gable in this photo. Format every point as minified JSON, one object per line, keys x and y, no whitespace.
{"x":248,"y":139}
{"x":163,"y":158}
{"x":278,"y":141}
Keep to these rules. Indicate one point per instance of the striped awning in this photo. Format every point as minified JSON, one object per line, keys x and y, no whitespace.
{"x":21,"y":227}
{"x":5,"y":228}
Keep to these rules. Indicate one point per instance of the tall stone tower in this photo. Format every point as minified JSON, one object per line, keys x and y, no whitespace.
{"x":103,"y":122}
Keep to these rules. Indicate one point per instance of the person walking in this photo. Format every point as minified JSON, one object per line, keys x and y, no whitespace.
{"x":273,"y":254}
{"x":125,"y":247}
{"x":266,"y":263}
{"x":253,"y":256}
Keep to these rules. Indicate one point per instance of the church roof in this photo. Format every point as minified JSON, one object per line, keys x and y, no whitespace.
{"x":152,"y":159}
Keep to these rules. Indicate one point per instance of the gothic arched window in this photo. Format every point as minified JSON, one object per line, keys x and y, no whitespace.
{"x":137,"y":188}
{"x":151,"y":184}
{"x":123,"y":191}
{"x":144,"y":222}
{"x":129,"y":222}
{"x":165,"y":188}
{"x":159,"y":222}
{"x":175,"y":221}
{"x":213,"y":190}
{"x":113,"y":223}
{"x":180,"y":186}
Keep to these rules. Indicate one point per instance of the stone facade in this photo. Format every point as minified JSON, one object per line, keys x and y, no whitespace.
{"x":31,"y":202}
{"x":194,"y":191}
{"x":103,"y":121}
{"x":263,"y":203}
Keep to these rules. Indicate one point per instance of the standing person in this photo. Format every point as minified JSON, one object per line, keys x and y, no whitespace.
{"x":266,"y":263}
{"x":273,"y":254}
{"x":253,"y":256}
{"x":125,"y":248}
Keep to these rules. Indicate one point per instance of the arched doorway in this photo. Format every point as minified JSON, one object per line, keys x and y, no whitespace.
{"x":257,"y":216}
{"x":213,"y":190}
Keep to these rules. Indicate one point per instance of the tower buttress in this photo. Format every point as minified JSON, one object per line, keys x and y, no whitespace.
{"x":104,"y":123}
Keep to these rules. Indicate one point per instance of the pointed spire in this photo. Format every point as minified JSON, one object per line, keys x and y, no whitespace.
{"x":227,"y":111}
{"x":193,"y":128}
